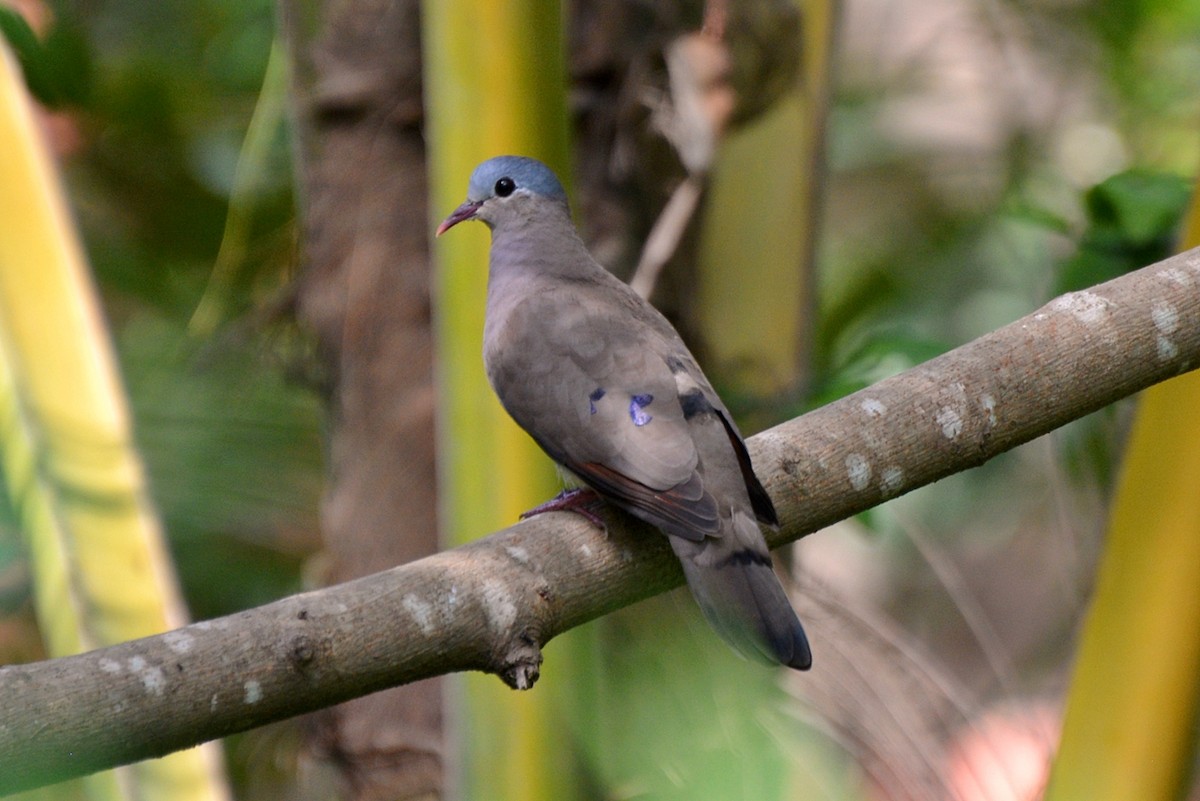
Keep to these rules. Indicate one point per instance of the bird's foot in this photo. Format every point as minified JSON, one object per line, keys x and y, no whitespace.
{"x":580,"y":500}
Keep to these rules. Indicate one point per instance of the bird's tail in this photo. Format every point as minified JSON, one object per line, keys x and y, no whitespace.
{"x":732,"y":579}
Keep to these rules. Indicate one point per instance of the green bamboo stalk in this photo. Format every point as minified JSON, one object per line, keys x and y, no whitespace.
{"x":757,"y":243}
{"x":1129,"y":730}
{"x":750,"y":260}
{"x":100,"y":568}
{"x":495,"y":82}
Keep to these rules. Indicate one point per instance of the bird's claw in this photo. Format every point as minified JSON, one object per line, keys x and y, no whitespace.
{"x":579,"y":500}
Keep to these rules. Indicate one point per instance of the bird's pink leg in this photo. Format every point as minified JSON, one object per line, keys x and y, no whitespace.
{"x":580,"y":500}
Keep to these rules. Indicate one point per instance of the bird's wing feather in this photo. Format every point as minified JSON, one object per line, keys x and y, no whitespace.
{"x":596,"y":389}
{"x":605,"y":385}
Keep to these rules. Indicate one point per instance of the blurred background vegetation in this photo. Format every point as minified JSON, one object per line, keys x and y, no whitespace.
{"x":977,"y":159}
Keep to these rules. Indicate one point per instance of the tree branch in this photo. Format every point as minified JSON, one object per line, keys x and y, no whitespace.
{"x":491,"y":605}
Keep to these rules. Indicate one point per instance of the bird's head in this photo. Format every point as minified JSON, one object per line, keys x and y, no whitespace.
{"x":503,"y":185}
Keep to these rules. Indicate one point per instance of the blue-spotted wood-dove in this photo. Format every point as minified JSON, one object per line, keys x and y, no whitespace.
{"x":603,"y":383}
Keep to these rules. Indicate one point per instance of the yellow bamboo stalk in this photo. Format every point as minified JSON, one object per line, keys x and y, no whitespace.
{"x":495,"y":82}
{"x":1129,"y":729}
{"x":100,"y":567}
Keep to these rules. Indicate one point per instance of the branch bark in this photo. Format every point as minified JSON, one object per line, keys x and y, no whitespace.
{"x":491,"y":605}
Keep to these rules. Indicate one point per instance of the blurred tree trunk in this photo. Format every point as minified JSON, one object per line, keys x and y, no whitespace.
{"x":364,"y":293}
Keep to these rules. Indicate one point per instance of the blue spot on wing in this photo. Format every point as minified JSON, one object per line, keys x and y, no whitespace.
{"x":596,"y":395}
{"x":637,"y":406}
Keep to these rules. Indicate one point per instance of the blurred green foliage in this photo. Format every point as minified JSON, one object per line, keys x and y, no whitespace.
{"x":157,"y":98}
{"x":234,"y":457}
{"x":933,"y":239}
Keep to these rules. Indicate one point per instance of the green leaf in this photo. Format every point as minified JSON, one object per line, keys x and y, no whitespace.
{"x":1140,"y":206}
{"x":67,"y":61}
{"x":27,"y":48}
{"x":1133,"y":218}
{"x":58,"y":70}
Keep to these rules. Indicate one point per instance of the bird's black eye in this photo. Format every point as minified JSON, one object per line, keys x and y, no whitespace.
{"x":505,"y":187}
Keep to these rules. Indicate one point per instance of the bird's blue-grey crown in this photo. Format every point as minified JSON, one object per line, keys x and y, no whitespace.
{"x":499,"y":178}
{"x":525,"y":173}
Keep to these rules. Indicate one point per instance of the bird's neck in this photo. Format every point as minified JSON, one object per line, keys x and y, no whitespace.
{"x":539,"y":247}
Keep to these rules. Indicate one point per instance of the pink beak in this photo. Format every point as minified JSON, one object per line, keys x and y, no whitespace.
{"x":464,"y":212}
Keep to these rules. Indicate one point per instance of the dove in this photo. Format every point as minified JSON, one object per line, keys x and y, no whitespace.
{"x":605,"y":385}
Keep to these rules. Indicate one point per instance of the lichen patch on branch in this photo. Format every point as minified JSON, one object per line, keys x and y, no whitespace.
{"x":950,"y":421}
{"x":519,"y":555}
{"x":858,"y":470}
{"x":989,"y":407}
{"x":1166,"y":322}
{"x":891,"y":480}
{"x":1177,"y":276}
{"x":873,"y":407}
{"x":421,"y":611}
{"x":152,"y":676}
{"x":179,"y":642}
{"x":1087,"y":307}
{"x":498,"y":605}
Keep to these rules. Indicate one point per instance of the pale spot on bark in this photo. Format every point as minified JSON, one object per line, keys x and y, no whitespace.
{"x":873,"y":407}
{"x":518,"y":554}
{"x":1174,"y":275}
{"x":253,"y":690}
{"x":858,"y":470}
{"x":891,"y":479}
{"x":110,"y":665}
{"x":152,"y":677}
{"x":420,"y":610}
{"x":1166,"y":317}
{"x":989,"y":407}
{"x":498,"y":605}
{"x":1166,"y":320}
{"x":1086,"y":307}
{"x":178,"y":641}
{"x":950,"y":421}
